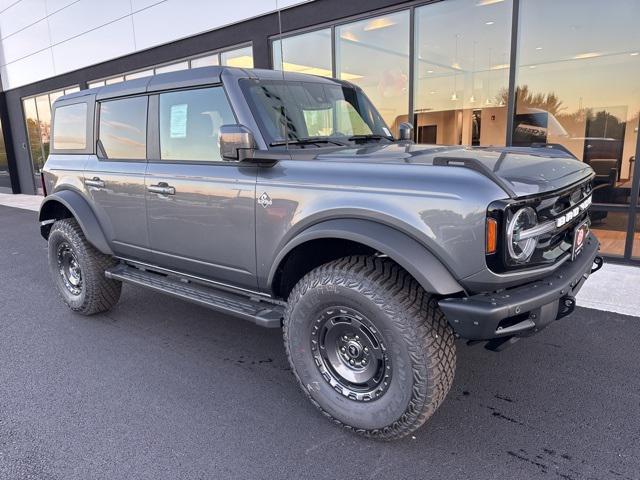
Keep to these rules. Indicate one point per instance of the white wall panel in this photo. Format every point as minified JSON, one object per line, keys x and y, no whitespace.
{"x":140,"y":4}
{"x":64,"y":35}
{"x":21,"y":15}
{"x":38,"y":65}
{"x":85,"y":15}
{"x":55,"y":5}
{"x":190,"y":18}
{"x":25,"y":42}
{"x":107,"y":42}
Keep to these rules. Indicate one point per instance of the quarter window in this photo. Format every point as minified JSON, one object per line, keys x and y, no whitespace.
{"x":70,"y":128}
{"x":190,"y":124}
{"x":123,"y":128}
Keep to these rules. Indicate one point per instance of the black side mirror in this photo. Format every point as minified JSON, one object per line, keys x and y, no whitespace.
{"x":406,"y":131}
{"x":236,"y":143}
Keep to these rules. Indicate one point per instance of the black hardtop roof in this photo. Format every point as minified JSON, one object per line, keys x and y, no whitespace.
{"x":190,"y":78}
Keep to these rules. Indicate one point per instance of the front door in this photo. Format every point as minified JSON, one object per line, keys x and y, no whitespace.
{"x":115,"y":176}
{"x":200,"y":209}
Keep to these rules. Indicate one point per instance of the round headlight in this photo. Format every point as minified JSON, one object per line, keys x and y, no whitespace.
{"x":523,"y":219}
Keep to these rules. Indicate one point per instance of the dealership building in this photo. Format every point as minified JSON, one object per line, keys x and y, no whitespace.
{"x":464,"y":72}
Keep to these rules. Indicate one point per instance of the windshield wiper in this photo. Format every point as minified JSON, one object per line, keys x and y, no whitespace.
{"x":306,"y":141}
{"x":371,"y":136}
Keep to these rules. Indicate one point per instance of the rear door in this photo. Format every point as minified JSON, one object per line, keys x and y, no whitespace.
{"x":115,"y":176}
{"x":200,"y":209}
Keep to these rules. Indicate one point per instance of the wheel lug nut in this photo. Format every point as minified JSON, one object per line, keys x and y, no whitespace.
{"x":357,"y":337}
{"x":352,"y":362}
{"x":366,"y":349}
{"x":342,"y":349}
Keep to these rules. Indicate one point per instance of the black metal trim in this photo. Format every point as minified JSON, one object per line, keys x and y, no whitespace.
{"x":513,"y":64}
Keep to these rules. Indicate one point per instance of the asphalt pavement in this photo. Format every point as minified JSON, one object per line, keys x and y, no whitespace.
{"x":162,"y":389}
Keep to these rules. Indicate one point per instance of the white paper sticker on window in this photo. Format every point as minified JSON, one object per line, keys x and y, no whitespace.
{"x":386,"y":131}
{"x":178,"y":124}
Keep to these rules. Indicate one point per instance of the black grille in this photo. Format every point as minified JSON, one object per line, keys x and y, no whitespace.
{"x":551,"y":246}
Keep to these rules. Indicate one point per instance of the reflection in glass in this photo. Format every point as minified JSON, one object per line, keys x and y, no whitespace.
{"x":44,"y":121}
{"x":99,"y":83}
{"x":208,"y":61}
{"x":111,"y":81}
{"x":70,"y":129}
{"x":296,"y":53}
{"x":462,"y":72}
{"x":374,"y":54}
{"x":33,"y":134}
{"x":636,"y":239}
{"x":241,"y":57}
{"x":123,"y":128}
{"x":578,"y":73}
{"x":140,"y":74}
{"x":5,"y":180}
{"x":173,"y":67}
{"x":611,"y":230}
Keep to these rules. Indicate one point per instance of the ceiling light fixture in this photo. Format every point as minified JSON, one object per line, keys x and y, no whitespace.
{"x":376,"y":23}
{"x":634,"y":54}
{"x":582,"y":56}
{"x":490,"y":22}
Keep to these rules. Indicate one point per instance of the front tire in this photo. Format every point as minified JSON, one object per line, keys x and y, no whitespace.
{"x":370,"y":348}
{"x":77,"y":269}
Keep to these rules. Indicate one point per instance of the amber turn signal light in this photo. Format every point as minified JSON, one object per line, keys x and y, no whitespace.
{"x":492,"y":236}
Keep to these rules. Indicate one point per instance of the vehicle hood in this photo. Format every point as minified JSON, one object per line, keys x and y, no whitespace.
{"x":520,"y":171}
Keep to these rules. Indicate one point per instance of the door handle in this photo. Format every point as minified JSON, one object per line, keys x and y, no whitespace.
{"x":162,"y":188}
{"x":94,"y":182}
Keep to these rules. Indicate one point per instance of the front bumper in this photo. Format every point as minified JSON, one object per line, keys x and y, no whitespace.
{"x":525,"y":309}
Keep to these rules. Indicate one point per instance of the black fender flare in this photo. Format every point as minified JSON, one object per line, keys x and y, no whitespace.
{"x":81,"y":211}
{"x":411,"y":255}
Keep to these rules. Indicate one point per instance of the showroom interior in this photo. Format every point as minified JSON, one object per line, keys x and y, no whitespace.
{"x":465,"y":72}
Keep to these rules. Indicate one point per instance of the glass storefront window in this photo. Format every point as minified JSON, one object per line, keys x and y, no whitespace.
{"x":173,"y":67}
{"x":296,"y":53}
{"x":111,"y":81}
{"x":141,"y":74}
{"x":611,"y":230}
{"x":5,"y":179}
{"x":578,"y":70}
{"x":374,"y":54}
{"x":636,"y":240}
{"x":43,"y":107}
{"x":462,"y":72}
{"x":99,"y":83}
{"x":208,"y":61}
{"x":33,"y":135}
{"x":241,"y":57}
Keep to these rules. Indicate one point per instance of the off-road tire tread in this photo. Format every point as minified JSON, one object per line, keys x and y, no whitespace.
{"x":429,"y":337}
{"x":102,"y":293}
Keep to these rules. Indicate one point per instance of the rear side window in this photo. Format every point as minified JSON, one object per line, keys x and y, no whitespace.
{"x":123,"y":128}
{"x":190,"y":123}
{"x":70,"y":127}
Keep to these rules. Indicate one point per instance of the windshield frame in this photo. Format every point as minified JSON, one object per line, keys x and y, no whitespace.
{"x":379,"y":128}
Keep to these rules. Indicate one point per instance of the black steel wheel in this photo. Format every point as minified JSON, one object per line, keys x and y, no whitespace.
{"x":369,"y":347}
{"x":77,"y":270}
{"x":69,"y":269}
{"x":351,"y":354}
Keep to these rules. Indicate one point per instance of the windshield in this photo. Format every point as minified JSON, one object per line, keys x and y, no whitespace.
{"x":313,"y":113}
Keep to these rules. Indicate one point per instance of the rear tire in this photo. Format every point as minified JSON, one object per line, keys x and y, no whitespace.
{"x":398,"y":324}
{"x":77,"y":269}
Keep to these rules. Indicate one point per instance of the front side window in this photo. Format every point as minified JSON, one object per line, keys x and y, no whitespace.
{"x":291,"y":110}
{"x":123,"y":128}
{"x":70,"y":127}
{"x":190,"y":123}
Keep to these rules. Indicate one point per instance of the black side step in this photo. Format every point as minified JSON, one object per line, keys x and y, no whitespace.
{"x":253,"y":309}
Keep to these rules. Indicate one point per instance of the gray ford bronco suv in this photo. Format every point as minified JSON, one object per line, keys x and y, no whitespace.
{"x":285,"y":200}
